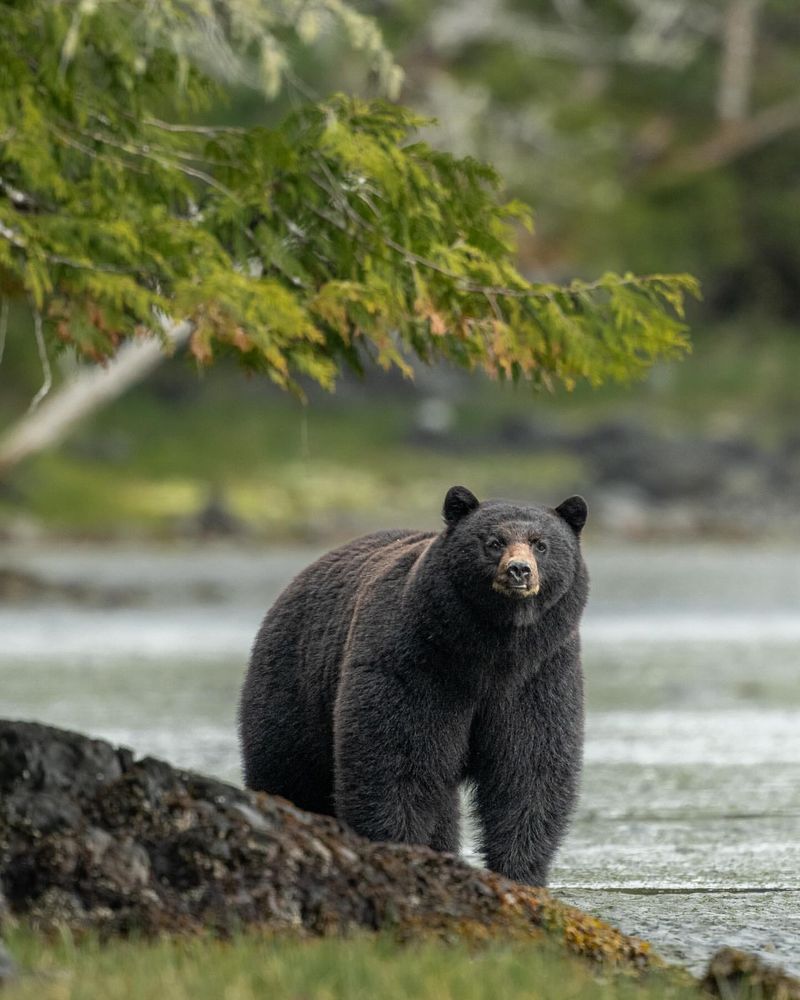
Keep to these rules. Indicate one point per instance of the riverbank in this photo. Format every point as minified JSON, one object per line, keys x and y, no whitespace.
{"x":706,"y":448}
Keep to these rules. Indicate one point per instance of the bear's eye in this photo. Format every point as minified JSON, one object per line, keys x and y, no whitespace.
{"x":494,"y":545}
{"x":540,"y":545}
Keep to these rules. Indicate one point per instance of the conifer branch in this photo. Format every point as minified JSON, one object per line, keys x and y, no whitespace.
{"x":183,"y":129}
{"x":472,"y":287}
{"x":162,"y":159}
{"x":295,"y":247}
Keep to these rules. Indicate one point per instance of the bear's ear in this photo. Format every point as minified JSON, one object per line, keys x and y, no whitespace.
{"x":458,"y":503}
{"x":573,"y":510}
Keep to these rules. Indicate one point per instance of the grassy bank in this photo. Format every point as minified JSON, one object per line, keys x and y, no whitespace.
{"x":359,"y":969}
{"x":147,"y":464}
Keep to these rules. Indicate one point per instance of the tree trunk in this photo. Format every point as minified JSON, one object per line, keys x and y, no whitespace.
{"x":86,"y":392}
{"x":738,"y":53}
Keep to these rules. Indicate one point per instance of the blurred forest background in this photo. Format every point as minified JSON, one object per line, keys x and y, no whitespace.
{"x":650,"y":136}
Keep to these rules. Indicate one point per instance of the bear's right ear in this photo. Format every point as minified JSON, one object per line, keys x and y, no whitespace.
{"x":457,"y":504}
{"x":574,"y":512}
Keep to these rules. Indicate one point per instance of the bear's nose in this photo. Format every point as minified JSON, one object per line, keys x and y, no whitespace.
{"x":519,"y":573}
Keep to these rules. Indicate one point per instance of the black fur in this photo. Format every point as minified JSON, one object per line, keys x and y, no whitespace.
{"x":400,"y":665}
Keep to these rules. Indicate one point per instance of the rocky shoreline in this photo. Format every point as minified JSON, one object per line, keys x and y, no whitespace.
{"x":647,"y":484}
{"x":644,"y":483}
{"x":93,"y":839}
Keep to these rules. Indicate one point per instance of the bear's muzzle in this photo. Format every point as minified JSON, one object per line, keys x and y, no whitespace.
{"x":517,"y":572}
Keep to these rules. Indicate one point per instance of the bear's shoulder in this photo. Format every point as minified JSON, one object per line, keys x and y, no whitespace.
{"x":380,"y":545}
{"x":363,"y":561}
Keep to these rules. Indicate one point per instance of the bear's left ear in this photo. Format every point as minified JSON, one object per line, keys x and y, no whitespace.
{"x":457,"y":504}
{"x":574,"y":511}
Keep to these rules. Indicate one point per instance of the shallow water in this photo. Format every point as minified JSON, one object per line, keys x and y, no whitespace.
{"x":688,"y":831}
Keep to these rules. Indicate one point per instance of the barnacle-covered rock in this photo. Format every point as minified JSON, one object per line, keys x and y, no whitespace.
{"x":733,"y":974}
{"x":92,"y":838}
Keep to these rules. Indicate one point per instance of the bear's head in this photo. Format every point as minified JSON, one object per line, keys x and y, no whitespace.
{"x":514,"y":561}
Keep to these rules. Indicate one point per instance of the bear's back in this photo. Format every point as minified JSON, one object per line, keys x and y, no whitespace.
{"x":306,"y":629}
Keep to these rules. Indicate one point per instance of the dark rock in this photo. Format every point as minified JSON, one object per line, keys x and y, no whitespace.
{"x":612,"y":435}
{"x":432,"y":430}
{"x":625,"y":454}
{"x":787,"y":465}
{"x":450,"y":442}
{"x":530,"y":435}
{"x":676,"y":469}
{"x":91,"y":838}
{"x":734,"y":974}
{"x":215,"y":519}
{"x":17,"y":585}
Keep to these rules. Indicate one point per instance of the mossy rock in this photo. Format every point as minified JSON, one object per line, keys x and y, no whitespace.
{"x":91,"y":838}
{"x":737,"y":975}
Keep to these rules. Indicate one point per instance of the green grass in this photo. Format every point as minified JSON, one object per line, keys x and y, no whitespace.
{"x":356,"y":969}
{"x":289,"y":472}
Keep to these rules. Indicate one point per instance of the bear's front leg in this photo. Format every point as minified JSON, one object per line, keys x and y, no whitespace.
{"x":400,"y":752}
{"x":525,"y":757}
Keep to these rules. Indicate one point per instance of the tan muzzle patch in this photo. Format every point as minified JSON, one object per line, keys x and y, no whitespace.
{"x":517,"y":552}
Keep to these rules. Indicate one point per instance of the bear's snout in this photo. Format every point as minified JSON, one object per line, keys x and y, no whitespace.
{"x":517,"y":572}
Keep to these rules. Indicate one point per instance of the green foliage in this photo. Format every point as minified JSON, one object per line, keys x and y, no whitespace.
{"x":607,"y":115}
{"x":333,"y":237}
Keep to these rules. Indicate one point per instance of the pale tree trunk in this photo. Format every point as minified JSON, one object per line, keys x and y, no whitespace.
{"x":739,"y":130}
{"x":86,"y":392}
{"x":739,"y":29}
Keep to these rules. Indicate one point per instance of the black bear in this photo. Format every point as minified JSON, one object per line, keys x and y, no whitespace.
{"x":405,"y":663}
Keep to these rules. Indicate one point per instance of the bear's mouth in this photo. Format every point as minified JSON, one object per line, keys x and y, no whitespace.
{"x":517,"y":590}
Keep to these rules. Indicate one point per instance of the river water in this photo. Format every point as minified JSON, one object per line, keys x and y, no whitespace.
{"x":688,"y":830}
